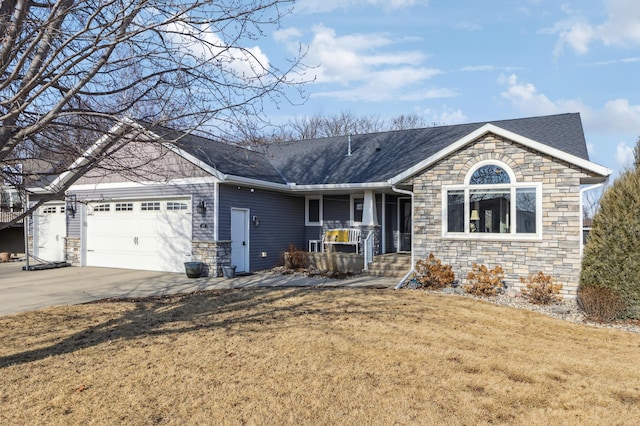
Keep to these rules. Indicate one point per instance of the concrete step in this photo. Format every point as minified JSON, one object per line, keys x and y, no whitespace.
{"x":389,"y":265}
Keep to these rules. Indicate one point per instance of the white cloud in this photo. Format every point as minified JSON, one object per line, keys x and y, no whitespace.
{"x":488,"y":68}
{"x":621,"y":28}
{"x":624,"y":155}
{"x":287,"y":34}
{"x":204,"y":44}
{"x":315,"y":6}
{"x":444,"y":117}
{"x":629,"y":60}
{"x":468,"y":26}
{"x":366,"y":67}
{"x":525,"y":97}
{"x":615,"y":116}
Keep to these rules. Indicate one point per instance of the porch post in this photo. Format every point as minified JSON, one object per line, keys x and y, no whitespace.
{"x":369,"y":213}
{"x":370,"y":220}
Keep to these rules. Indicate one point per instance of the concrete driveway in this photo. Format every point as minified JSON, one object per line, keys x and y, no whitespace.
{"x":27,"y":290}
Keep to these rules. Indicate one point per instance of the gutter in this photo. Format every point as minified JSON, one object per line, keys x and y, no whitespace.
{"x":582,"y":191}
{"x":413,"y":263}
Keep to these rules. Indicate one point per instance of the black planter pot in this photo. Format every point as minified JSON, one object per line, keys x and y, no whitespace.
{"x":229,"y":271}
{"x":193,"y":269}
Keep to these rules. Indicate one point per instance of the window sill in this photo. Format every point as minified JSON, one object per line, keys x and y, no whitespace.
{"x":492,"y":237}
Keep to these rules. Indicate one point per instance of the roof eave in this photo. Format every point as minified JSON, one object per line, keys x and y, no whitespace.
{"x":597,"y":169}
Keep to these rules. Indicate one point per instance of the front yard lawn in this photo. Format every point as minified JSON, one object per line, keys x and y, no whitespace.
{"x":312,"y":356}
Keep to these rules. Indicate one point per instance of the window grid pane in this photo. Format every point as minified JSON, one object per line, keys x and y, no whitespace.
{"x":124,"y":207}
{"x":358,"y":209}
{"x":526,"y":211}
{"x":151,"y":206}
{"x":171,"y":205}
{"x":314,"y":211}
{"x":455,"y":211}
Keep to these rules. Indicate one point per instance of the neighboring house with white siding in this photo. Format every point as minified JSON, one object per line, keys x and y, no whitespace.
{"x":503,"y":192}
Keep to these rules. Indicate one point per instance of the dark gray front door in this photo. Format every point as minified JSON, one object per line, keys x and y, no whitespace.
{"x":405,"y":225}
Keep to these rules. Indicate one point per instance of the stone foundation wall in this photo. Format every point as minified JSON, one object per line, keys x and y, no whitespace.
{"x":558,"y":252}
{"x":337,"y":262}
{"x":72,"y":251}
{"x":377,"y":238}
{"x":214,"y":254}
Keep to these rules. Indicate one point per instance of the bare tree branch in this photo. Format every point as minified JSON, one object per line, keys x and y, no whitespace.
{"x":70,"y":69}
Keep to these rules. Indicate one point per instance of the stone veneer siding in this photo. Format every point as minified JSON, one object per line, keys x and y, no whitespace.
{"x":377,"y":238}
{"x":557,"y":254}
{"x":214,"y":254}
{"x":72,"y":250}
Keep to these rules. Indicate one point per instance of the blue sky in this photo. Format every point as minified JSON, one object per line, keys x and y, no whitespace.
{"x":466,"y":61}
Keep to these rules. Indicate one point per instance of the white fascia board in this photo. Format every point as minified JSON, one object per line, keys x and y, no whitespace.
{"x":129,"y":184}
{"x":492,"y":128}
{"x":83,"y":159}
{"x":554,"y":152}
{"x":38,"y":190}
{"x":240,"y":180}
{"x":340,"y":186}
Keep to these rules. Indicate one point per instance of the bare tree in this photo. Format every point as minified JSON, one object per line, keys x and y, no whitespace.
{"x":69,"y":68}
{"x":410,"y":121}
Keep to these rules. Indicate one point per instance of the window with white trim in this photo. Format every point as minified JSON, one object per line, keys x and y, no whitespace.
{"x":173,"y":205}
{"x":492,"y":204}
{"x":357,"y":209}
{"x":313,"y":210}
{"x":101,"y":208}
{"x":124,"y":207}
{"x":150,"y":206}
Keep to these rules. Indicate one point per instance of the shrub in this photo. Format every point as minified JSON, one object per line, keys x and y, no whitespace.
{"x":483,"y":281}
{"x":431,"y":273}
{"x":612,"y":253}
{"x":540,"y":289}
{"x":600,"y":304}
{"x":295,"y":258}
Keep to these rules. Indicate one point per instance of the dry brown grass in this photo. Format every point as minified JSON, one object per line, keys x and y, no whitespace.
{"x":308,"y":356}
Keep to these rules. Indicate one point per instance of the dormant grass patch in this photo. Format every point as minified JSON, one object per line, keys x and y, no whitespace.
{"x":310,"y":356}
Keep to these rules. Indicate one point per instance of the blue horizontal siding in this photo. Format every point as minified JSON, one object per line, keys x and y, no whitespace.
{"x":281,"y":222}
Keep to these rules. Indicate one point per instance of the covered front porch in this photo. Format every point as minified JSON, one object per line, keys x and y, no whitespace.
{"x":382,"y":215}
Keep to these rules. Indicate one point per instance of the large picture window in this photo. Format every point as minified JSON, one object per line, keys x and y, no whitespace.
{"x":492,"y":204}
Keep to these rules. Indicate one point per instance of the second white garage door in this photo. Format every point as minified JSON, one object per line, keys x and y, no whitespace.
{"x":153,"y":235}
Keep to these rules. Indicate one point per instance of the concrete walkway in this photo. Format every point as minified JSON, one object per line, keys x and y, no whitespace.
{"x":27,"y":290}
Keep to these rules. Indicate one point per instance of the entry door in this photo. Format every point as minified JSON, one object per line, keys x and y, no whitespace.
{"x":51,"y":228}
{"x":240,"y":239}
{"x":405,"y":224}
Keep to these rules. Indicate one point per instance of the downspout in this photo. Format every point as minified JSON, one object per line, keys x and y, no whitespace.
{"x":582,"y":191}
{"x":412,"y":270}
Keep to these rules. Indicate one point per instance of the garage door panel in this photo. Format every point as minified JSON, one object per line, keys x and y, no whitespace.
{"x":51,"y":228}
{"x":141,"y":238}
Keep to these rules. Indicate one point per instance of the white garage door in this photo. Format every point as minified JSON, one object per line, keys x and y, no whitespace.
{"x":51,"y":228}
{"x":153,"y":235}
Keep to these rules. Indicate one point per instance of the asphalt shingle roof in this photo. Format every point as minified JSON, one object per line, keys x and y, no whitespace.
{"x":226,"y":158}
{"x":375,"y":157}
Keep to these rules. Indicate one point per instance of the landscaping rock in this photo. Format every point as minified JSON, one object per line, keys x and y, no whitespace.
{"x":512,"y":292}
{"x":560,"y":310}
